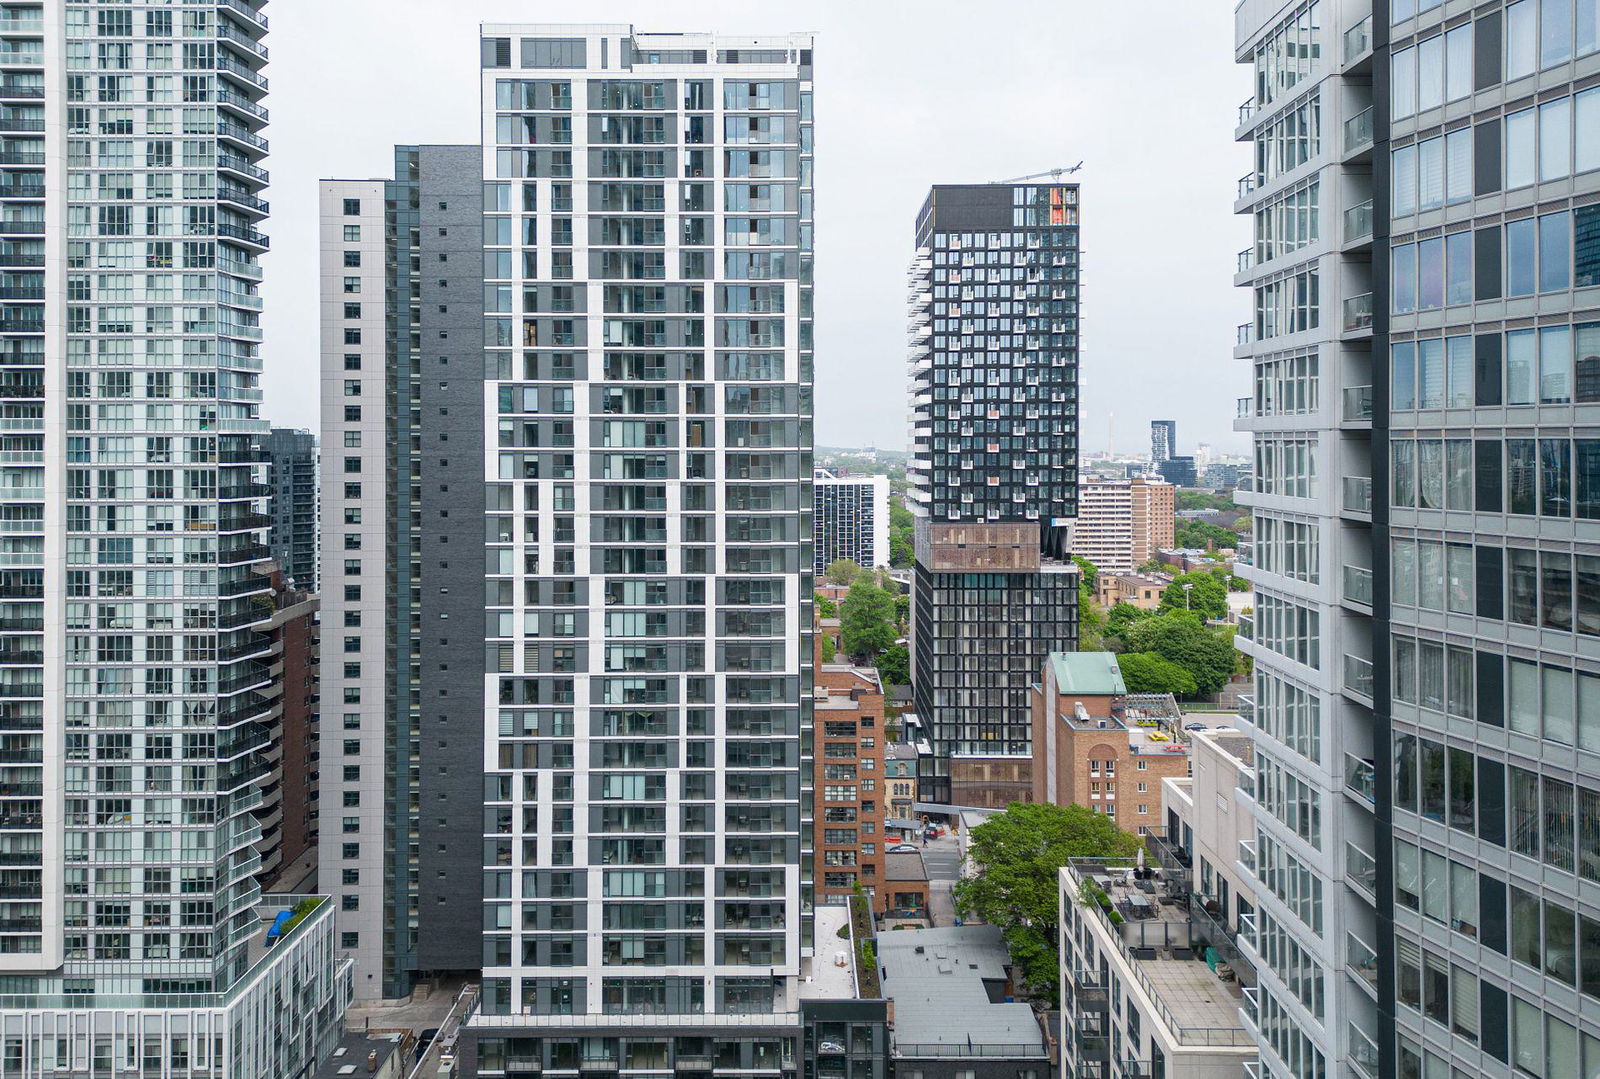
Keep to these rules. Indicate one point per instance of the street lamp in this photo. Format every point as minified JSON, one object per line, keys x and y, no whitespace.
{"x":1188,"y":586}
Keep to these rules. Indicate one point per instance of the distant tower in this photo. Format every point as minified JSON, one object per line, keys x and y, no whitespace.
{"x":1111,"y":434}
{"x":1163,"y":440}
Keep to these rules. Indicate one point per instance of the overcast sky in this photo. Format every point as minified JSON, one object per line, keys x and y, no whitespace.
{"x":908,"y":94}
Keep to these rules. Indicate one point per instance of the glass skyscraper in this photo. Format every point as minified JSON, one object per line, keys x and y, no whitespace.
{"x":133,"y":691}
{"x":1427,"y":562}
{"x":993,"y":472}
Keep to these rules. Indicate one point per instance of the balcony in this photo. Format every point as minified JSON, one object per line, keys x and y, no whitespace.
{"x":1244,"y":407}
{"x":1358,"y":223}
{"x":1246,"y":627}
{"x":1247,"y":110}
{"x":1358,"y":40}
{"x":1246,"y":260}
{"x":1360,"y":778}
{"x":1089,"y":991}
{"x":1358,"y":132}
{"x":1361,"y":869}
{"x":1356,"y":494}
{"x":1358,"y":314}
{"x":1242,"y":334}
{"x":1247,"y":184}
{"x":1358,"y":403}
{"x":1247,"y":854}
{"x":1363,"y":1054}
{"x":1358,"y":675}
{"x":1361,"y":961}
{"x":1358,"y":585}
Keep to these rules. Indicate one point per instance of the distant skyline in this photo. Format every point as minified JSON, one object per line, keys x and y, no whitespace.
{"x":1037,"y":87}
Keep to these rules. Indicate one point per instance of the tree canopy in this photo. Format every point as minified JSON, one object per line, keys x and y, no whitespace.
{"x":900,"y":529}
{"x":1150,"y":672}
{"x":842,"y":571}
{"x":1179,"y":636}
{"x":826,"y":608}
{"x":1207,"y":595}
{"x":1018,"y":855}
{"x":1202,"y":536}
{"x":894,"y":666}
{"x":867,"y":621}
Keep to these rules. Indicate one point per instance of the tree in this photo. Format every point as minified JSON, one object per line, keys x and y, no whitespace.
{"x":1200,"y":535}
{"x":1089,"y":572}
{"x":1149,"y":672}
{"x":1153,"y":565}
{"x":1204,"y":500}
{"x":843,"y":571}
{"x":900,"y":528}
{"x":1017,"y":855}
{"x":894,"y":666}
{"x":1179,"y":636}
{"x":1204,"y":595}
{"x":829,"y":649}
{"x":866,"y":619}
{"x":1122,"y":616}
{"x":826,"y":608}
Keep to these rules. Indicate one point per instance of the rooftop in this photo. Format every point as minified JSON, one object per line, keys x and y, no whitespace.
{"x":1230,"y":740}
{"x":900,"y":751}
{"x":1089,"y":673}
{"x":1156,"y":942}
{"x":350,"y":1056}
{"x":948,"y":986}
{"x":830,"y":974}
{"x":904,"y":866}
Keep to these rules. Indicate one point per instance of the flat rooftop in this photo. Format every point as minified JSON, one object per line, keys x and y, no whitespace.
{"x":832,"y":972}
{"x":948,"y":988}
{"x":1156,"y":941}
{"x":349,"y":1057}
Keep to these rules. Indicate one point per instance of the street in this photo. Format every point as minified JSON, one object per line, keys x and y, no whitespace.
{"x":942,"y":859}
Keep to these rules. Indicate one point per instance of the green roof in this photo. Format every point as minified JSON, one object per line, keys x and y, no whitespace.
{"x":1093,"y":674}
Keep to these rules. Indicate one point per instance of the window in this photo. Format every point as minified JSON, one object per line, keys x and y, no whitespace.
{"x":352,"y":207}
{"x":352,"y":234}
{"x":352,"y":259}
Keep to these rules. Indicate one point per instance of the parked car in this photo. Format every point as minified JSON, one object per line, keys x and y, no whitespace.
{"x":903,"y":848}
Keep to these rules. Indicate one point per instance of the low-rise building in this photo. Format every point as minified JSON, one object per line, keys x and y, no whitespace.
{"x":848,"y":767}
{"x":1127,"y":937}
{"x":900,"y":783}
{"x":843,"y":1018}
{"x":1097,"y":745}
{"x":1140,"y":590}
{"x":289,"y":796}
{"x":955,"y":1016}
{"x":905,"y":887}
{"x":1209,"y":831}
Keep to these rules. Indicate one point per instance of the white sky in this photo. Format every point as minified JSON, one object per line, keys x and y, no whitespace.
{"x":909,"y":94}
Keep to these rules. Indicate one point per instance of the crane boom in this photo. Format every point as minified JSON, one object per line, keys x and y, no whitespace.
{"x":1054,"y":174}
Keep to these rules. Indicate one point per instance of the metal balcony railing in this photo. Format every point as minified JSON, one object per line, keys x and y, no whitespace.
{"x":1358,"y":585}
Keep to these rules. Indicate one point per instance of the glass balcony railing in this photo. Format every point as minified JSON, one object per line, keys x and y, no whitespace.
{"x":1358,"y":130}
{"x":1360,"y":959}
{"x":1244,"y":406}
{"x":1357,"y":493}
{"x":1363,"y":1053}
{"x":1358,"y":313}
{"x":1358,"y":39}
{"x":1358,"y":585}
{"x":1247,"y":259}
{"x":1246,"y":627}
{"x":1242,"y":334}
{"x":1247,"y":930}
{"x":1360,"y":777}
{"x":1361,"y":868}
{"x":1358,"y":403}
{"x":1247,"y":184}
{"x":1247,"y":110}
{"x":1358,"y":223}
{"x":1247,"y":854}
{"x":1358,"y":675}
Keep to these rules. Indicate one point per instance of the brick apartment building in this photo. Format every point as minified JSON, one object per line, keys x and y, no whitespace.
{"x":1096,"y":745}
{"x":851,"y":789}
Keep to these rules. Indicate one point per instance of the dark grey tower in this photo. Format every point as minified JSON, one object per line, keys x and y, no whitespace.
{"x":994,"y":398}
{"x":292,"y":503}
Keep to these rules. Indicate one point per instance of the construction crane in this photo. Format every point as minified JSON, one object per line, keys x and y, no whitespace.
{"x":1054,"y":174}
